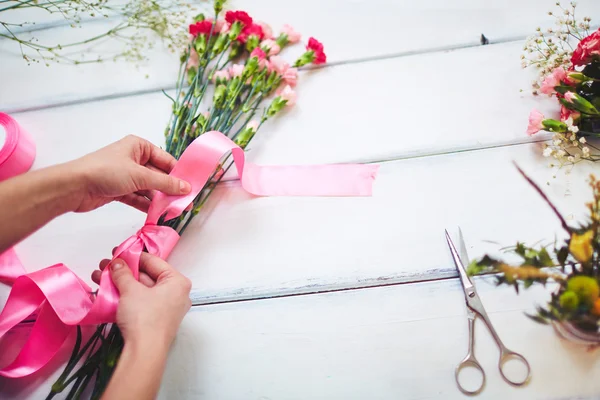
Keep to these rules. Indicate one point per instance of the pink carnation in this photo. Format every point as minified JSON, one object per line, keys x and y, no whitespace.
{"x":288,"y":94}
{"x":218,"y":26}
{"x":535,"y":122}
{"x":236,"y":70}
{"x":258,"y":53}
{"x":289,"y":75}
{"x":272,"y":47}
{"x":266,"y":28}
{"x":222,"y":74}
{"x":553,"y":80}
{"x":569,"y":96}
{"x":292,"y":35}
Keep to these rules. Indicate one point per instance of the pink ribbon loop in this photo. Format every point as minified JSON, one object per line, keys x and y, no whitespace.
{"x":64,"y":301}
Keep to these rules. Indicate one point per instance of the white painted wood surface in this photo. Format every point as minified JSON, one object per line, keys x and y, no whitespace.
{"x":398,"y":342}
{"x":423,"y":110}
{"x":351,"y":30}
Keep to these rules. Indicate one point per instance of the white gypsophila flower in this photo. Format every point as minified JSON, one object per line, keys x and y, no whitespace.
{"x":582,"y":140}
{"x":569,"y":121}
{"x":548,"y":152}
{"x":557,"y":142}
{"x":561,"y":153}
{"x":573,"y":128}
{"x":585,"y":150}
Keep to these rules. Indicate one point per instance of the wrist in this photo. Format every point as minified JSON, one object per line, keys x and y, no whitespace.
{"x":72,"y":183}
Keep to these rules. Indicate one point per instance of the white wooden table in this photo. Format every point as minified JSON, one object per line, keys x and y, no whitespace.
{"x":336,"y":298}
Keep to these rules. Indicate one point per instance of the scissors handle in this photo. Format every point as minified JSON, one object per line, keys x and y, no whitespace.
{"x":508,"y":355}
{"x":470,"y":360}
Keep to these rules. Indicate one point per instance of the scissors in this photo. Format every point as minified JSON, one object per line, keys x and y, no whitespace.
{"x":475,"y":309}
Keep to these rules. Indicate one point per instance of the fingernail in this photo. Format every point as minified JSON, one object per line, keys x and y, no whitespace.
{"x":116,"y":265}
{"x":184,"y":187}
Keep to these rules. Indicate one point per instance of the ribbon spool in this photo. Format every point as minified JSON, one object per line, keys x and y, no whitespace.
{"x":18,"y":152}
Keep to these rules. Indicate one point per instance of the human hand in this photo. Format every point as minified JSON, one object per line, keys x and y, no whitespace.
{"x":149,"y":311}
{"x":128,"y":171}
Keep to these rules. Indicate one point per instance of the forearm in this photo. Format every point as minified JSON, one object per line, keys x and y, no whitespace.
{"x":139,"y":372}
{"x":29,"y":201}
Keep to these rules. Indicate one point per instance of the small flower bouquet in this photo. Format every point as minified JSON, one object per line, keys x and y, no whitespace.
{"x":574,"y":265}
{"x":231,"y":80}
{"x":568,"y":59}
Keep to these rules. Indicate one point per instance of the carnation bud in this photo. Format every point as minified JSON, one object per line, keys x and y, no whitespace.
{"x":252,"y":42}
{"x":576,"y":77}
{"x":577,"y":102}
{"x":199,"y":18}
{"x":305,"y":58}
{"x":250,"y":67}
{"x":282,"y":40}
{"x":219,"y":45}
{"x":200,"y":44}
{"x":553,"y":125}
{"x":276,"y":106}
{"x":244,"y":137}
{"x":219,"y":96}
{"x":234,"y":30}
{"x":236,"y":49}
{"x":219,"y":6}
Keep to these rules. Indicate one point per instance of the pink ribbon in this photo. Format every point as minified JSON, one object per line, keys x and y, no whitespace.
{"x":64,"y":301}
{"x":16,"y":157}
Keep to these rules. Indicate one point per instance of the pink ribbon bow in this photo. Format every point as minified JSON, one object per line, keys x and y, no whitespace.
{"x":63,"y":300}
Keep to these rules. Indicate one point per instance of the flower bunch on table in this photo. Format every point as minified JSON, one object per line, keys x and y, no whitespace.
{"x":573,"y":264}
{"x":232,"y":79}
{"x":568,"y":60}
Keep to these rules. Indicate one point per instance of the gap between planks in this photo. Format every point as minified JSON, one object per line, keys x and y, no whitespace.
{"x":360,"y":60}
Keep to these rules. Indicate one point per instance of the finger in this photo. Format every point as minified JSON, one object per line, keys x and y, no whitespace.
{"x":150,"y":154}
{"x":161,"y":159}
{"x":122,"y":276}
{"x":96,"y":276}
{"x":103,"y":264}
{"x":152,"y":180}
{"x":146,"y":280}
{"x":155,"y":267}
{"x":149,"y":194}
{"x":136,"y":201}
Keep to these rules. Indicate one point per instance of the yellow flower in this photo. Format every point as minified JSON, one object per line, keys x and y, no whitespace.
{"x":581,"y":246}
{"x":585,"y":287}
{"x":596,"y":308}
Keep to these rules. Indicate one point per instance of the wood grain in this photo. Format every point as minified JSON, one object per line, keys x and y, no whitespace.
{"x":392,"y":29}
{"x":382,"y":343}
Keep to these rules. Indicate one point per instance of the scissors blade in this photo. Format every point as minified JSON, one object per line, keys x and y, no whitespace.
{"x":460,"y":267}
{"x":464,"y":256}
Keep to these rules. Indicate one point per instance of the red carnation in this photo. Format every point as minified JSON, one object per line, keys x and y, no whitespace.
{"x":242,"y":16}
{"x":587,"y":49}
{"x":200,"y":28}
{"x":251,"y":30}
{"x":317,"y":48}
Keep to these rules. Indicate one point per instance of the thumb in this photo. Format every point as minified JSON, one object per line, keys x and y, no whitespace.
{"x":154,"y":180}
{"x":121,"y":275}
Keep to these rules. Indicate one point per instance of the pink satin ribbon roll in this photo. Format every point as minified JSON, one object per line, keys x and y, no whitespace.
{"x":64,"y":300}
{"x":16,"y":157}
{"x":18,"y":152}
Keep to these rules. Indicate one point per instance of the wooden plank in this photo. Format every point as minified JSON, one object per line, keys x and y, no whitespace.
{"x":243,"y":247}
{"x":381,"y":343}
{"x":437,"y":109}
{"x":424,"y":27}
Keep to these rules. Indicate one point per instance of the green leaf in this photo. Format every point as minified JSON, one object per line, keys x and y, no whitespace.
{"x":538,"y":318}
{"x":562,"y":255}
{"x":544,"y":258}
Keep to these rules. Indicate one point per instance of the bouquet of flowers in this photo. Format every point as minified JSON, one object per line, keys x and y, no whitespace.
{"x":568,"y":60}
{"x":233,"y":65}
{"x":573,"y":264}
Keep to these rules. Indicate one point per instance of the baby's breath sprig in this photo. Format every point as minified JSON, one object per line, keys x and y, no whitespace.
{"x":550,"y":49}
{"x":137,"y":24}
